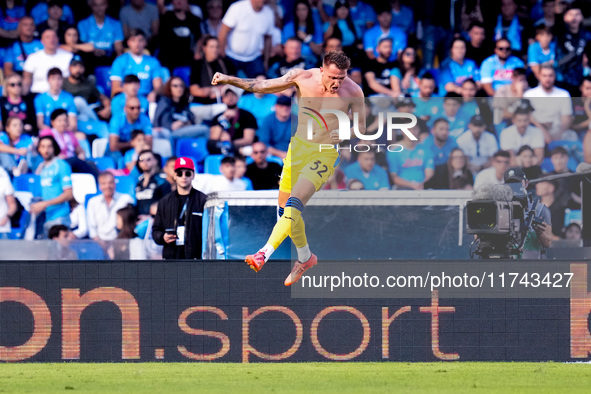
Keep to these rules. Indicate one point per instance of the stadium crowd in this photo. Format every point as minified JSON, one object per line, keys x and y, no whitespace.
{"x":109,"y":93}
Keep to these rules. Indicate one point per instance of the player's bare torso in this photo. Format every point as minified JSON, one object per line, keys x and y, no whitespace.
{"x":312,"y":95}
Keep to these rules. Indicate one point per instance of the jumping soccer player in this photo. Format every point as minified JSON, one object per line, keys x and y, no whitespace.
{"x":308,"y":164}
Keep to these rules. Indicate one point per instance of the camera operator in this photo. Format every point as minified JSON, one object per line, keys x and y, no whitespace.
{"x":541,"y":238}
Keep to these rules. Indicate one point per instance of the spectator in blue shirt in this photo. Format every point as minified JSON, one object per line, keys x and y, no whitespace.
{"x":439,"y":144}
{"x":411,"y":167}
{"x":454,"y":70}
{"x":130,"y":88}
{"x":365,"y":170}
{"x":452,"y":103}
{"x":384,"y":29}
{"x":542,"y":51}
{"x":54,"y":12}
{"x":55,"y":98}
{"x":10,"y":14}
{"x":405,"y":76}
{"x":258,"y":104}
{"x":427,"y":108}
{"x":39,"y":13}
{"x":342,"y":27}
{"x":403,"y":17}
{"x":511,"y":27}
{"x":305,"y":27}
{"x":363,"y":15}
{"x":26,"y":44}
{"x":497,"y":69}
{"x":122,"y":125}
{"x":147,"y":68}
{"x":56,"y":185}
{"x":469,"y":106}
{"x":14,"y":145}
{"x":275,"y":130}
{"x":104,"y":32}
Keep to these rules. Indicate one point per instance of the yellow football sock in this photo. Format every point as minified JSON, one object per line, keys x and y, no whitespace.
{"x":283,"y":227}
{"x":298,"y":233}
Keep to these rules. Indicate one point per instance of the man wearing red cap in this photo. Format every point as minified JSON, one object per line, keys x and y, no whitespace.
{"x":177,"y":224}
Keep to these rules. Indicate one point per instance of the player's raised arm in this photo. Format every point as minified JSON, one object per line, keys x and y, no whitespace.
{"x":256,"y":86}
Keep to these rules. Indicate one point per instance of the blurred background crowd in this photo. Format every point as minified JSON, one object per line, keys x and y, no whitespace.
{"x":100,"y":97}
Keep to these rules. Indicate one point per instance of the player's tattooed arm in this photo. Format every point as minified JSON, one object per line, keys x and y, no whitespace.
{"x":259,"y":86}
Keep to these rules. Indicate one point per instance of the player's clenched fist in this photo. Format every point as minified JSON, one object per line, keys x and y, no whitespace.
{"x":334,"y":136}
{"x":219,"y":78}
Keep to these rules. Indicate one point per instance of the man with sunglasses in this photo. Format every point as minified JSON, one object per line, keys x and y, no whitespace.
{"x":497,"y":69}
{"x":151,"y":185}
{"x":177,"y":225}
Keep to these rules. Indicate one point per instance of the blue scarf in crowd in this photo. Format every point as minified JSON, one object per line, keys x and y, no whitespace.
{"x":513,"y":35}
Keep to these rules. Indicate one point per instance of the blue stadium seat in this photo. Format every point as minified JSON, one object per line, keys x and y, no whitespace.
{"x":86,"y":148}
{"x":193,"y":147}
{"x":88,"y":197}
{"x":19,"y":232}
{"x":275,"y":159}
{"x":212,"y":164}
{"x":104,"y":163}
{"x":103,"y":80}
{"x":88,"y":250}
{"x":28,"y":183}
{"x":184,"y":73}
{"x":165,"y":74}
{"x":125,"y":184}
{"x":572,"y":216}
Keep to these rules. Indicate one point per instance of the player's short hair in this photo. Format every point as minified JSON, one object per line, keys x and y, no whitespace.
{"x":586,"y":78}
{"x":228,"y":160}
{"x":131,"y":78}
{"x":54,"y":71}
{"x":519,"y":72}
{"x":55,"y":231}
{"x":502,"y":153}
{"x":338,"y":58}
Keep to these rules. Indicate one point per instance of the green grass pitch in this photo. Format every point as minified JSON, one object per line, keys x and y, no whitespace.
{"x":387,"y":377}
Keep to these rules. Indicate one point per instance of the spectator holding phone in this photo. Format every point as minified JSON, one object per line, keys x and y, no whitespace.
{"x":177,"y":224}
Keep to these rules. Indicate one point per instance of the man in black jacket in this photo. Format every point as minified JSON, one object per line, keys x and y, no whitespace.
{"x":177,"y":224}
